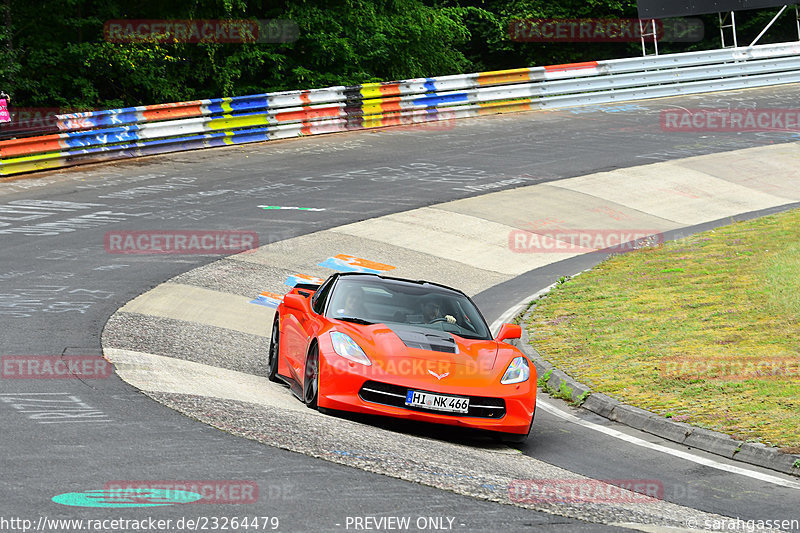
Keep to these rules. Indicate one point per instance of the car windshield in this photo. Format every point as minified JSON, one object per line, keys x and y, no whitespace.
{"x":373,"y":300}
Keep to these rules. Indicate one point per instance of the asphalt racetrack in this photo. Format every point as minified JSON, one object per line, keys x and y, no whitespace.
{"x":59,"y":286}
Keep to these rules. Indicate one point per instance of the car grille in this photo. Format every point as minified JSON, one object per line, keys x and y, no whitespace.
{"x":394,"y":395}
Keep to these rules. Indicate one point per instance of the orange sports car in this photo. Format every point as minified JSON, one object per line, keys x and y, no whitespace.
{"x":408,"y":349}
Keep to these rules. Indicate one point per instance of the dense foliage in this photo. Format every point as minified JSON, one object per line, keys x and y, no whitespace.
{"x":54,"y":53}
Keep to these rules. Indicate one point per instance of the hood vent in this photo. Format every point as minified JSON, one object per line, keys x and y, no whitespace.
{"x":425,"y":339}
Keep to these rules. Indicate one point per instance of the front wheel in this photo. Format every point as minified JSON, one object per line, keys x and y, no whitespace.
{"x":311,"y":378}
{"x":272,"y":361}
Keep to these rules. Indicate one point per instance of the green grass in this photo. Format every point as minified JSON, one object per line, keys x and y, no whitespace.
{"x":706,"y":329}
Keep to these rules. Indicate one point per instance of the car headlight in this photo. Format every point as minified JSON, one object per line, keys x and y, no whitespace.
{"x":347,"y":348}
{"x":517,"y":372}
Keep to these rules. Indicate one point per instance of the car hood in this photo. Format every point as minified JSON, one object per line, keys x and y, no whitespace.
{"x":432,"y":351}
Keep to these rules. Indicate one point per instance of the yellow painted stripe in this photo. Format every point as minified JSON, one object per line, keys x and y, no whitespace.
{"x":373,"y":101}
{"x":9,"y":168}
{"x":517,"y":75}
{"x":371,"y":90}
{"x":374,"y":109}
{"x":504,"y":103}
{"x":228,"y":121}
{"x":226,"y":105}
{"x":35,"y":157}
{"x":373,"y":121}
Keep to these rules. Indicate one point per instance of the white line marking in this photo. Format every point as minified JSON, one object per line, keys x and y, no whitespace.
{"x":33,"y":393}
{"x":552,"y":409}
{"x":74,"y":421}
{"x":514,"y":311}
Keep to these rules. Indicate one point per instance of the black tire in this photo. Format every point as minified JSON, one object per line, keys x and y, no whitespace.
{"x":272,"y":357}
{"x":311,"y":378}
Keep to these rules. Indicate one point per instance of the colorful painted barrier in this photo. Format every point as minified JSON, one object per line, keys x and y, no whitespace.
{"x":148,"y":130}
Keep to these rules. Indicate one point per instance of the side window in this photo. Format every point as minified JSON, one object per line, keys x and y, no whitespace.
{"x":321,"y":296}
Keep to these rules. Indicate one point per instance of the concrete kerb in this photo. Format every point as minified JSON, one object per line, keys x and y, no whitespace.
{"x":562,"y":385}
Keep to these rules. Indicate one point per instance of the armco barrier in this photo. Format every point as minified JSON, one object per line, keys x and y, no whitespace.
{"x":147,"y":130}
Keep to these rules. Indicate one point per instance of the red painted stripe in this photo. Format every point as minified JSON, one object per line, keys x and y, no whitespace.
{"x":571,"y":66}
{"x":304,"y":97}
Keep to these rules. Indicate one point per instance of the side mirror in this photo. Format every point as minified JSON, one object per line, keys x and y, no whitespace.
{"x":296,"y":302}
{"x":509,"y":331}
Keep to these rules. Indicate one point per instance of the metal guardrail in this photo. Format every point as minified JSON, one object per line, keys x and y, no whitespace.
{"x":147,"y":130}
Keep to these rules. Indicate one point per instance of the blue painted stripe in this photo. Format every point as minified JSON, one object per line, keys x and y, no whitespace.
{"x":294,"y":280}
{"x":215,"y":108}
{"x":266,"y":301}
{"x":249,"y":102}
{"x":102,"y":137}
{"x":436,"y":100}
{"x":338,"y":264}
{"x":201,"y":140}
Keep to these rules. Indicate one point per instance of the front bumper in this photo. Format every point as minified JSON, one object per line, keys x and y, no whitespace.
{"x":347,"y":386}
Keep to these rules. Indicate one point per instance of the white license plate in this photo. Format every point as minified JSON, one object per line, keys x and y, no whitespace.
{"x":439,"y":402}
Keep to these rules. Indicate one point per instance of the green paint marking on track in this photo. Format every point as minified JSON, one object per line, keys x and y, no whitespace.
{"x":126,"y":498}
{"x":292,"y":207}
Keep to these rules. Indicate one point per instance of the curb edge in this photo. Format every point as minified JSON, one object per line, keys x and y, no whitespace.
{"x":754,"y":453}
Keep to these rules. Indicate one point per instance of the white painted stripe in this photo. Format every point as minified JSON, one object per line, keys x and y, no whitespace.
{"x":517,"y":309}
{"x":550,"y":408}
{"x":75,"y":421}
{"x":33,"y":393}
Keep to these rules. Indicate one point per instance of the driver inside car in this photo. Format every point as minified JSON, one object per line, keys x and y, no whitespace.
{"x":353,"y":304}
{"x":431,"y":310}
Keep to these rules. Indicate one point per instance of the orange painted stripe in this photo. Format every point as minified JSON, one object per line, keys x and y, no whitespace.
{"x":169,"y":113}
{"x":30,"y":145}
{"x":308,"y":114}
{"x":571,"y":66}
{"x":390,"y":121}
{"x":271,"y":295}
{"x":305,"y":98}
{"x":504,"y":76}
{"x":366,"y":263}
{"x":390,"y":89}
{"x":390,"y":105}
